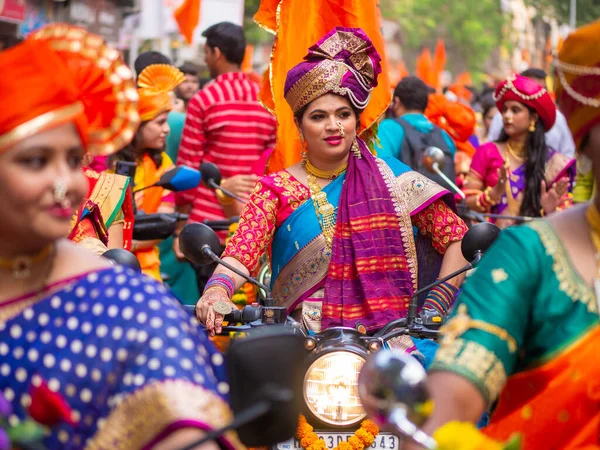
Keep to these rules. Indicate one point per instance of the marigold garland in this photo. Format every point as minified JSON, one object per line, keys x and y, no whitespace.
{"x":364,"y":436}
{"x":465,"y":436}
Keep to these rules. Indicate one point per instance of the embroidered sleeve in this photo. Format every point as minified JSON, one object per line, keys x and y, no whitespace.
{"x":256,"y":227}
{"x":441,"y":224}
{"x":486,"y":336}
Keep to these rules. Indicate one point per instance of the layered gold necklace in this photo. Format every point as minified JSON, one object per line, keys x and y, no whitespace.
{"x":326,"y":212}
{"x":517,"y":153}
{"x":324,"y":174}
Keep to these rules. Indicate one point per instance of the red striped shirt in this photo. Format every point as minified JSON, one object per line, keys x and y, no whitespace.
{"x":227,"y":126}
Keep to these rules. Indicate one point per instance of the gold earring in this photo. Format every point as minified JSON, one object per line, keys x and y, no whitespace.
{"x":304,"y":158}
{"x":532,"y":126}
{"x":341,"y":128}
{"x":356,"y":149}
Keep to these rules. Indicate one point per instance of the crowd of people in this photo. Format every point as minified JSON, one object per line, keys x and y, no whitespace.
{"x":349,"y":234}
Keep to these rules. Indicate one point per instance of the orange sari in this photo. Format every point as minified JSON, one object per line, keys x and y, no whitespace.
{"x":564,"y":391}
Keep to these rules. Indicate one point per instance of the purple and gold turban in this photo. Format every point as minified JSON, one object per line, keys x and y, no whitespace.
{"x":578,"y":72}
{"x":343,"y":62}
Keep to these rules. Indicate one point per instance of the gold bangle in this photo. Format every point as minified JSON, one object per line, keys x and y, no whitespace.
{"x":223,"y":199}
{"x":488,"y":199}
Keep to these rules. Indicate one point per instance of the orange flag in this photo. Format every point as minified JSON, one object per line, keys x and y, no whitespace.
{"x":187,"y":17}
{"x":425,"y":69}
{"x":439,"y":60}
{"x":248,"y":58}
{"x":298,"y":25}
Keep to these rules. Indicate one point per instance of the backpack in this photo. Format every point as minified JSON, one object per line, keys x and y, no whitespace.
{"x":414,"y":144}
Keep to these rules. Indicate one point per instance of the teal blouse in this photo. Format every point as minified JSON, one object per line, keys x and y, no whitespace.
{"x":523,"y":304}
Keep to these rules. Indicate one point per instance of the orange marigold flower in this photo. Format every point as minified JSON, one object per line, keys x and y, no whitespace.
{"x":344,"y":446}
{"x":318,"y":445}
{"x":366,"y":437}
{"x":304,"y":430}
{"x":370,"y":426}
{"x":356,"y":443}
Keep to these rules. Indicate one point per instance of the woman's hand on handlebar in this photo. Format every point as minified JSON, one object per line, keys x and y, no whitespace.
{"x":205,"y":312}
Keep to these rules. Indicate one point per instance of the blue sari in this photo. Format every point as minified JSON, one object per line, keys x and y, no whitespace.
{"x":300,"y":259}
{"x":128,"y":360}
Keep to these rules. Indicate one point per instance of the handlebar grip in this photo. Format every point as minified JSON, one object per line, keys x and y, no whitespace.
{"x":234,"y":316}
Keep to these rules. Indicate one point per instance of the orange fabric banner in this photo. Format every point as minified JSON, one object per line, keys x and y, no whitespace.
{"x":439,"y":61}
{"x":297,"y":26}
{"x":248,"y":58}
{"x":425,"y":69}
{"x":187,"y":17}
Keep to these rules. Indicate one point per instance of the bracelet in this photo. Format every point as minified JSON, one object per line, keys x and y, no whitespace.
{"x":223,"y":281}
{"x":223,"y":199}
{"x":481,"y":203}
{"x":441,"y":298}
{"x":486,"y":193}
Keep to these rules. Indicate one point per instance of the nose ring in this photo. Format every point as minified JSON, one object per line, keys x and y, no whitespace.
{"x":60,"y":193}
{"x":341,"y":128}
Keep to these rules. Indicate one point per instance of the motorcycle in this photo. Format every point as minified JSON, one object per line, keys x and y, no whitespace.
{"x":333,"y":358}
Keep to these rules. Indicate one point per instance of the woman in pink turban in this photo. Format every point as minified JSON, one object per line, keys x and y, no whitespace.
{"x":519,"y":174}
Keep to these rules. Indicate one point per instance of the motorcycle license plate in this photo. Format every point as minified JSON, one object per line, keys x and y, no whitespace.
{"x":384,"y":441}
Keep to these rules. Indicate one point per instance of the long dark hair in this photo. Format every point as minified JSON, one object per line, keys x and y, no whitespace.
{"x":535,"y":168}
{"x":130,"y":152}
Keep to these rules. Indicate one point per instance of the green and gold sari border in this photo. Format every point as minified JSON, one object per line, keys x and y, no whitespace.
{"x":569,"y":281}
{"x":304,"y":271}
{"x":156,"y":406}
{"x":474,"y":362}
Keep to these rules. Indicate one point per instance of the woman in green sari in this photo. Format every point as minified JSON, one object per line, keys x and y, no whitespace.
{"x":526,"y":325}
{"x":339,"y":227}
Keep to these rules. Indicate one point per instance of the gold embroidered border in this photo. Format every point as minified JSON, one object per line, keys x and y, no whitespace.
{"x":144,"y":414}
{"x":417,"y":189}
{"x":568,"y":281}
{"x":39,"y":123}
{"x":460,"y":323}
{"x":474,"y":362}
{"x":108,"y":194}
{"x":404,"y":221}
{"x":555,"y":166}
{"x":303,"y":272}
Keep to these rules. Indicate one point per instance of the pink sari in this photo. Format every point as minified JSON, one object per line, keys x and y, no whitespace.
{"x":488,"y":160}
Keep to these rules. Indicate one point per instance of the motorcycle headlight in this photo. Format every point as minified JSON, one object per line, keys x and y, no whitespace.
{"x":331,"y":388}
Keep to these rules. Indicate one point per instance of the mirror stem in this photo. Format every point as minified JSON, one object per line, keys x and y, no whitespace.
{"x":206,"y":251}
{"x":412,"y":307}
{"x":436,"y":168}
{"x":406,"y":428}
{"x":214,"y":185}
{"x":256,"y":411}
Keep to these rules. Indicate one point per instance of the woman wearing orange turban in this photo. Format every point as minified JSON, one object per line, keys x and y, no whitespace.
{"x":100,"y":338}
{"x":156,"y":84}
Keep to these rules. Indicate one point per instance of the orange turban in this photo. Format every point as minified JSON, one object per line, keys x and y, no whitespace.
{"x":64,"y":74}
{"x":156,"y":83}
{"x":578,"y":86}
{"x":456,"y":119}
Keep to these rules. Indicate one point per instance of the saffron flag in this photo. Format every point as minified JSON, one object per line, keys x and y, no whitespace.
{"x":187,"y":17}
{"x":297,"y":25}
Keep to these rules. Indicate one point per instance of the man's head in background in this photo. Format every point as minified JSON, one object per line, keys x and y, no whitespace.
{"x":224,"y":49}
{"x":411,"y":95}
{"x":186,"y":90}
{"x":537,"y":75}
{"x":147,"y":59}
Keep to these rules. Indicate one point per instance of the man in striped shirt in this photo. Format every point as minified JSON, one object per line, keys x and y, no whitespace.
{"x":225,"y":125}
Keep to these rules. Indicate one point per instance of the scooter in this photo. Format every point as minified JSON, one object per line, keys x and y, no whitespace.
{"x":333,"y":358}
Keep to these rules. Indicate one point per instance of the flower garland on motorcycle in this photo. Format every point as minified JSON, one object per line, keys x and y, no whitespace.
{"x":363,"y":437}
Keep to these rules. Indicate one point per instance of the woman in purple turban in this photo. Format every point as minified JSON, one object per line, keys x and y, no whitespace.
{"x":338,"y":226}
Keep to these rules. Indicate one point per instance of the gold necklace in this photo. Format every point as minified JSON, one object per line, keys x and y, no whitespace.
{"x":326,"y":212}
{"x":21,"y":265}
{"x":592,"y":216}
{"x":518,"y":153}
{"x":324,"y":174}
